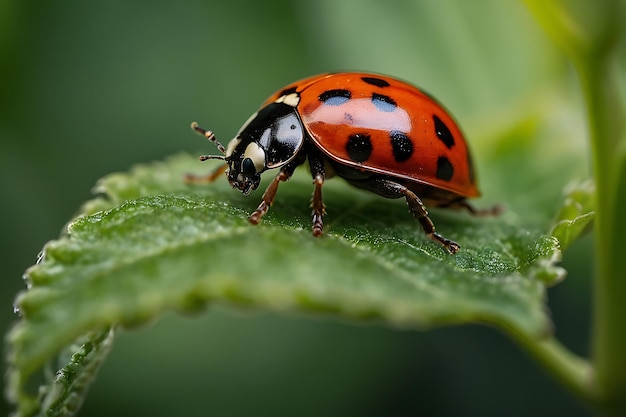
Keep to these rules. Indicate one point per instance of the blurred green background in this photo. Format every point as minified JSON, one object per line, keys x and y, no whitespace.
{"x":88,"y":88}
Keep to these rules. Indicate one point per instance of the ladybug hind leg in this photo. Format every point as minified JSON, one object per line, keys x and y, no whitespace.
{"x":388,"y":188}
{"x":463,"y":204}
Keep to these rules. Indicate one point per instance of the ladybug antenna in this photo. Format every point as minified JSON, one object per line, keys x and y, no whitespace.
{"x":210,"y":136}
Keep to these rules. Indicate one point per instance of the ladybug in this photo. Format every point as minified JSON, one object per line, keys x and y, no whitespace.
{"x":376,"y":132}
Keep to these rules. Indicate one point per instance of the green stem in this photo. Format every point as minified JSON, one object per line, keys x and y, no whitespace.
{"x":605,"y":115}
{"x":588,"y":32}
{"x":572,"y":371}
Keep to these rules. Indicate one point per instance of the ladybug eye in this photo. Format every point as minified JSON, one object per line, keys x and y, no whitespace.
{"x":253,"y":159}
{"x":247,"y":167}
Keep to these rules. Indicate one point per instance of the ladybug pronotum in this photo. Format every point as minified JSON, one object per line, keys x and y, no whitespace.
{"x":376,"y":132}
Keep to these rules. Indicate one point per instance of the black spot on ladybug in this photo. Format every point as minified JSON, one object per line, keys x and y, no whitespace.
{"x":288,"y":91}
{"x":335,"y":97}
{"x":359,"y":147}
{"x":378,"y":82}
{"x":443,"y":133}
{"x":384,"y":103}
{"x":401,"y":145}
{"x":445,"y":170}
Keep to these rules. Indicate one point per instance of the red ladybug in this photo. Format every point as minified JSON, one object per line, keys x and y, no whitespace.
{"x":376,"y":132}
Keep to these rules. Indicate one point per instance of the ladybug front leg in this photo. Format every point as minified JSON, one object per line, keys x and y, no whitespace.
{"x":418,"y":210}
{"x":269,"y":194}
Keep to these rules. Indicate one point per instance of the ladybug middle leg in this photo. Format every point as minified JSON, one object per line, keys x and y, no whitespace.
{"x":316,"y":163}
{"x":388,"y":188}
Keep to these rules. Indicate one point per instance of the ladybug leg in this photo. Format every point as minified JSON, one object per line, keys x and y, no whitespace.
{"x":317,"y":203}
{"x":268,"y":198}
{"x":205,"y":179}
{"x":418,"y":210}
{"x":489,"y":211}
{"x":270,"y":193}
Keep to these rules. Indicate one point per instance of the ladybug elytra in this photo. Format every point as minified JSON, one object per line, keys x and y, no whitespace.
{"x":376,"y":132}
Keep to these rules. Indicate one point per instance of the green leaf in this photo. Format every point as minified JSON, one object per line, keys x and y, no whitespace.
{"x":576,"y":214}
{"x":65,"y":395}
{"x":151,"y":243}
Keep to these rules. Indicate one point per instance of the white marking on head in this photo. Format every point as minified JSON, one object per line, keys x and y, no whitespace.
{"x":290,"y":99}
{"x":257,"y":154}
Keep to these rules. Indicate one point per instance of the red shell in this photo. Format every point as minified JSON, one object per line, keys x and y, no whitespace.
{"x":378,"y":107}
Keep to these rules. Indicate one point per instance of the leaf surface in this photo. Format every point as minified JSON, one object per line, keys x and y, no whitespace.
{"x":151,"y":243}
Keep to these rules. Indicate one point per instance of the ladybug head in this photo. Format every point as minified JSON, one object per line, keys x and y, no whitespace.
{"x":270,"y":139}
